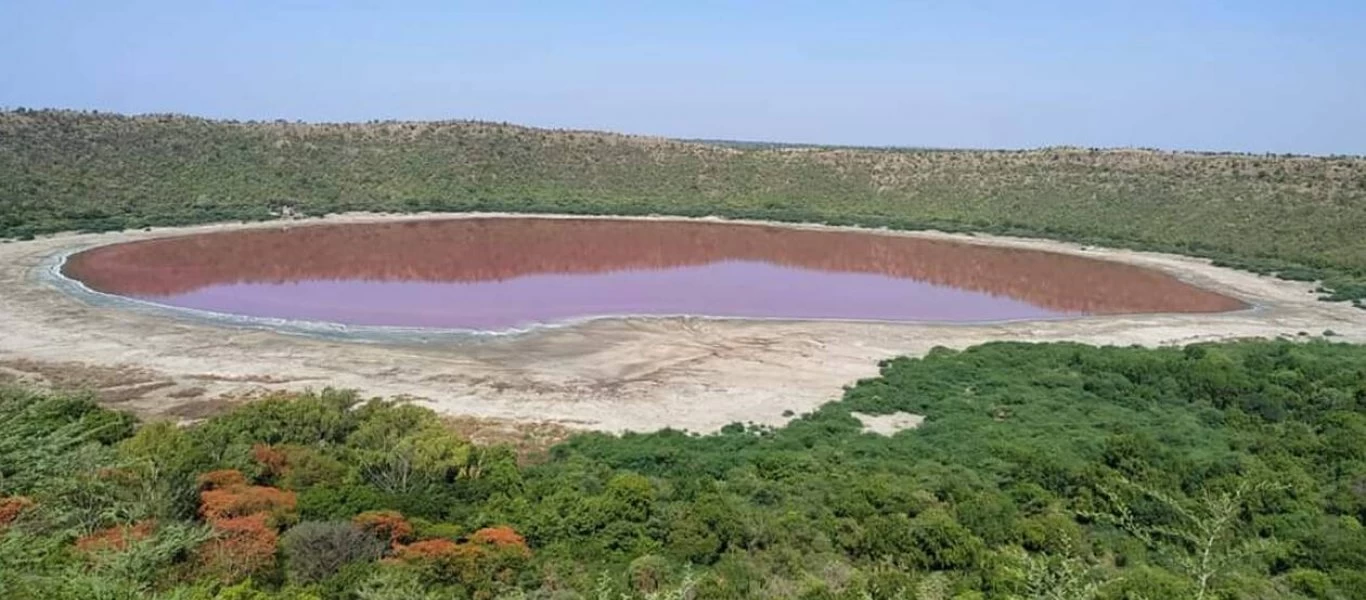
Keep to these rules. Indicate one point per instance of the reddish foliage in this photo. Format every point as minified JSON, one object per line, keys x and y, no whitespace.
{"x":249,"y":525}
{"x":244,"y":546}
{"x":385,"y":524}
{"x":116,"y":537}
{"x":449,"y":560}
{"x":494,"y":554}
{"x":242,"y":515}
{"x":426,"y":550}
{"x":243,"y":500}
{"x":273,"y":460}
{"x":489,"y":541}
{"x":499,"y":536}
{"x":10,"y":508}
{"x":224,"y":478}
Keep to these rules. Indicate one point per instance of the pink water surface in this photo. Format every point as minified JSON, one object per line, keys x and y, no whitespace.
{"x":719,"y":289}
{"x":497,"y":274}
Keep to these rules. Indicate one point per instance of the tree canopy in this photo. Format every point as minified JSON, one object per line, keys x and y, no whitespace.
{"x":1230,"y":470}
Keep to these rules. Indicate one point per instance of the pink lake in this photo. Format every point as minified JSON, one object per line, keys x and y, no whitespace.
{"x":501,"y":273}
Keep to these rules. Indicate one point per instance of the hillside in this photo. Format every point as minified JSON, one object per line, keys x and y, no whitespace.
{"x":63,"y":170}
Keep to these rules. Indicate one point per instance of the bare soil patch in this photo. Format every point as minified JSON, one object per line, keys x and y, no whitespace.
{"x":614,"y":375}
{"x":888,"y":424}
{"x":113,"y":385}
{"x":531,"y":440}
{"x":71,"y":375}
{"x":189,"y":392}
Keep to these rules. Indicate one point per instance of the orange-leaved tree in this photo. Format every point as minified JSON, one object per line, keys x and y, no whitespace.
{"x":388,"y":525}
{"x":492,"y":554}
{"x":11,"y":507}
{"x":503,"y":537}
{"x":274,"y":461}
{"x":115,"y":538}
{"x":226,"y":494}
{"x":242,"y":546}
{"x":245,"y":519}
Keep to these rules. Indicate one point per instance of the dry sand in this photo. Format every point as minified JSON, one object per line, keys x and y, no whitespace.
{"x":636,"y":374}
{"x":888,"y":424}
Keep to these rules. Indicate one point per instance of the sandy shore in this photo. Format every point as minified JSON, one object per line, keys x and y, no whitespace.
{"x":615,"y":374}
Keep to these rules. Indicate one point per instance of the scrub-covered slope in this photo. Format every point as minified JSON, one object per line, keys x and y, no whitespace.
{"x":68,"y":170}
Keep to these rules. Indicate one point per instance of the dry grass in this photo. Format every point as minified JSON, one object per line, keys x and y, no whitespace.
{"x":244,"y":378}
{"x":73,"y":375}
{"x":109,"y":384}
{"x":189,"y":392}
{"x":133,"y":392}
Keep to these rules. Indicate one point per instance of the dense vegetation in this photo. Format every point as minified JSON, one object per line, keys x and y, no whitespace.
{"x":1042,"y":471}
{"x":1301,"y":217}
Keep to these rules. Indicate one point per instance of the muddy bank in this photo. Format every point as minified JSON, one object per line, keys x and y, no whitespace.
{"x":614,"y":374}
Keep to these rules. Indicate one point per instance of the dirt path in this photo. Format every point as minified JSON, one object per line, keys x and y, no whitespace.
{"x":622,"y":374}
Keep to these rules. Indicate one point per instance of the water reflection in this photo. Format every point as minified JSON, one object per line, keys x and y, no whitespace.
{"x":640,"y":267}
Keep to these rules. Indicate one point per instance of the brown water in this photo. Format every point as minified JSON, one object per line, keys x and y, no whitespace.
{"x":502,"y":273}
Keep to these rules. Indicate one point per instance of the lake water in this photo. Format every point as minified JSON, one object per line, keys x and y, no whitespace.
{"x":501,"y":273}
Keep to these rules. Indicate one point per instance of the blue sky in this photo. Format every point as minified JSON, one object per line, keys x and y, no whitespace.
{"x":1247,"y":75}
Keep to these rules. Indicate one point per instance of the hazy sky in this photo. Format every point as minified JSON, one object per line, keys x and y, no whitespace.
{"x":1250,"y":75}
